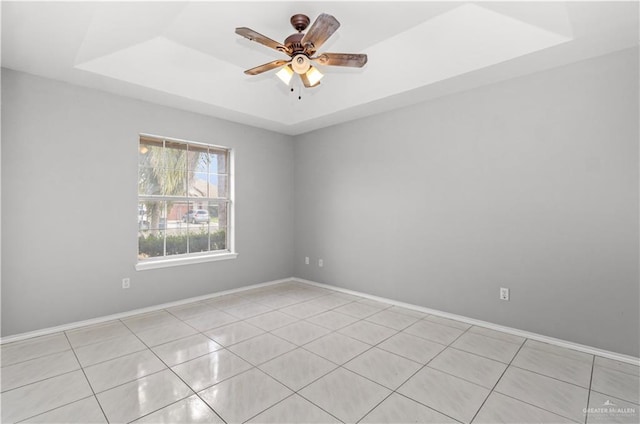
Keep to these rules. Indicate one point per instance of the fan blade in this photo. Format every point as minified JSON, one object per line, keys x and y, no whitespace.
{"x":262,"y":39}
{"x":323,"y":27}
{"x":306,"y":81}
{"x":266,"y":67}
{"x":342,"y":59}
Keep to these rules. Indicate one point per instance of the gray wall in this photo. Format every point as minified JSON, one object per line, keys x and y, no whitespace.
{"x":530,"y":184}
{"x":69,"y":198}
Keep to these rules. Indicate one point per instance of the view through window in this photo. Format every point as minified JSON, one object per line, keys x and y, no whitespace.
{"x":183,"y":198}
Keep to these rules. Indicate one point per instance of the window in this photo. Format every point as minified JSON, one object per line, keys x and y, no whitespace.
{"x":184,"y":202}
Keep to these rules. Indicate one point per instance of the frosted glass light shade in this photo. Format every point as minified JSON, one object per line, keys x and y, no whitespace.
{"x":285,"y":74}
{"x":314,"y":76}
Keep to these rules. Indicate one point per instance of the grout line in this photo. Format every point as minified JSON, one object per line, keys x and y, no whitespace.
{"x":115,"y":357}
{"x":617,"y":398}
{"x":586,"y":415}
{"x":87,"y":378}
{"x":619,"y":370}
{"x":33,"y":359}
{"x":58,"y":407}
{"x":294,"y":392}
{"x":550,"y":352}
{"x":375,"y":406}
{"x":411,"y":359}
{"x":423,"y":366}
{"x":318,"y":406}
{"x":277,"y":403}
{"x":180,"y":378}
{"x":480,"y":355}
{"x":39,"y":381}
{"x":496,"y":383}
{"x":549,"y":376}
{"x":538,"y":407}
{"x":428,"y":407}
{"x":523,"y":401}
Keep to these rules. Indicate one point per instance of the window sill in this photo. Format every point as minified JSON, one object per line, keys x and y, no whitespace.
{"x":169,"y":262}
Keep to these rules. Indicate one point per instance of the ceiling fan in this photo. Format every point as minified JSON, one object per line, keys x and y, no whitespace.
{"x":301,"y":47}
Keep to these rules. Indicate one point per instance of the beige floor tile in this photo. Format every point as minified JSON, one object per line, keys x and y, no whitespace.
{"x":412,"y":347}
{"x":382,"y":367}
{"x":24,"y":350}
{"x":233,"y":333}
{"x":34,"y":370}
{"x":210,"y":369}
{"x":367,"y":332}
{"x":261,"y":349}
{"x":565,"y":399}
{"x":435,"y":332}
{"x":400,"y":409}
{"x":109,"y":349}
{"x":244,"y":396}
{"x":503,"y":409}
{"x":297,"y":368}
{"x":617,"y":384}
{"x":445,"y":393}
{"x":391,"y":319}
{"x":294,"y":409}
{"x":183,"y":350}
{"x":43,"y":396}
{"x":473,"y":368}
{"x":191,"y":410}
{"x":108,"y":374}
{"x":345,"y":395}
{"x":140,"y":397}
{"x":83,"y":411}
{"x":556,"y":366}
{"x":337,"y":348}
{"x":301,"y":332}
{"x":488,"y":347}
{"x":605,"y":409}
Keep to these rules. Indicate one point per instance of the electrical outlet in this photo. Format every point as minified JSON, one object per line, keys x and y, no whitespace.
{"x":504,"y":293}
{"x":126,"y":283}
{"x":320,"y":263}
{"x":306,"y":260}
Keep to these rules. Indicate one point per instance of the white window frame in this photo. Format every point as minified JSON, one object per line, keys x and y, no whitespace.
{"x":199,"y":257}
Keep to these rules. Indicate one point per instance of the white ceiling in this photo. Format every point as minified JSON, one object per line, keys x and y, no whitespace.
{"x":186,"y":54}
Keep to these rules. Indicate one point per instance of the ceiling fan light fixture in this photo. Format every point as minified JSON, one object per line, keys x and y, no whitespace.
{"x":301,"y":48}
{"x":300,"y":64}
{"x":314,"y":75}
{"x":285,"y":74}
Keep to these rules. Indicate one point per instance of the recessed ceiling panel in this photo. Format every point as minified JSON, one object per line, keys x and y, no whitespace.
{"x":464,"y":39}
{"x":164,"y":65}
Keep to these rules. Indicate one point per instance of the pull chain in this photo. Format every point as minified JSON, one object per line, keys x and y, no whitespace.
{"x":299,"y":92}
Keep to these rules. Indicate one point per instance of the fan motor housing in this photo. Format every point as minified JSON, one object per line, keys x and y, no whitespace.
{"x":294,"y":42}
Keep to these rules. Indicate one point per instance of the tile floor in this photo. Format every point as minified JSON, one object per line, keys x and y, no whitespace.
{"x":293,"y":353}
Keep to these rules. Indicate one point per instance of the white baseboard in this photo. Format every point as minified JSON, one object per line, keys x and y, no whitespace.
{"x":526,"y":334}
{"x":100,"y":320}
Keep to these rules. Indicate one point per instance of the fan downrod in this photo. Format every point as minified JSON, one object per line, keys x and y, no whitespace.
{"x":300,"y":22}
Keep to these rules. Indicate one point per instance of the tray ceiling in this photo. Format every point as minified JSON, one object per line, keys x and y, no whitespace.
{"x":186,"y":54}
